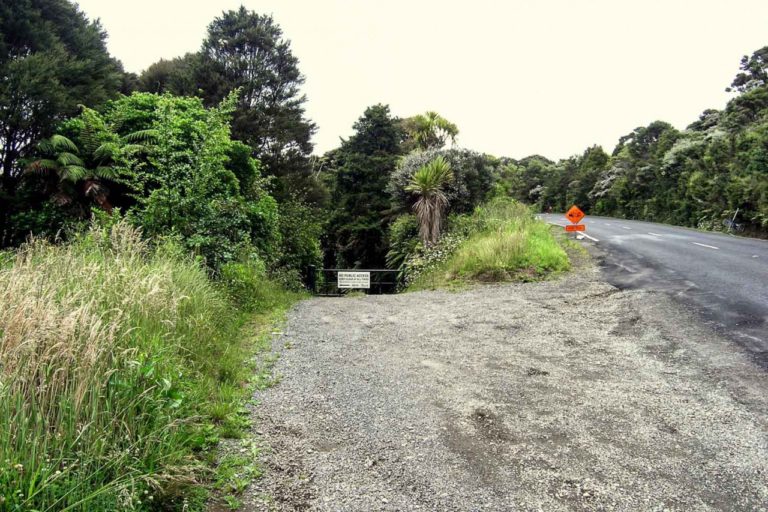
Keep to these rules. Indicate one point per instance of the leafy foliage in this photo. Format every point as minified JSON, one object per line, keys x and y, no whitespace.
{"x":52,"y":59}
{"x":357,"y":229}
{"x":427,"y":184}
{"x":701,"y":177}
{"x":428,"y":131}
{"x":246,"y":51}
{"x":754,"y":72}
{"x":474,"y":175}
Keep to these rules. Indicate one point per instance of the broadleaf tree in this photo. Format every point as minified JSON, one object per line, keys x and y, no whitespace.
{"x":52,"y":59}
{"x":247,"y":51}
{"x":357,"y":230}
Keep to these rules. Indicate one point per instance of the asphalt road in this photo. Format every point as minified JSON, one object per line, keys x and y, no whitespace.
{"x":724,"y":278}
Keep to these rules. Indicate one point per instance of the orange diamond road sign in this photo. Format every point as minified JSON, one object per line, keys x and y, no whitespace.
{"x":574,"y":214}
{"x":576,"y":227}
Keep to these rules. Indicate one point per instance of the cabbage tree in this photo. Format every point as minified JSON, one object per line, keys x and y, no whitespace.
{"x":428,"y":184}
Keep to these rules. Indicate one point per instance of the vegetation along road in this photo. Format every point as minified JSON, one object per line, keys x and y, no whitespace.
{"x":723,"y":277}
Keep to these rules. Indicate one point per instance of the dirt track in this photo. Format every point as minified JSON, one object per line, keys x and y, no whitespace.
{"x":563,"y":395}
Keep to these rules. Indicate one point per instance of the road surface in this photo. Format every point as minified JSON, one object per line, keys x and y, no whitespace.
{"x":723,"y":278}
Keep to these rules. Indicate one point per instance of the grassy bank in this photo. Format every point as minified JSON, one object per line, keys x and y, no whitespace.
{"x":120,"y":367}
{"x":499,"y":241}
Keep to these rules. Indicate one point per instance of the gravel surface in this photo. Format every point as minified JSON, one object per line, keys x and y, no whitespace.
{"x":561,"y":395}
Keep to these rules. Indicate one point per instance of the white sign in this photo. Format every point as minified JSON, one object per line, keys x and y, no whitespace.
{"x":354,"y":279}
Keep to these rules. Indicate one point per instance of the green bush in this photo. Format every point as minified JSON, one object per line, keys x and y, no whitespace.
{"x":300,"y":229}
{"x":473,"y":177}
{"x":250,"y":288}
{"x":403,"y":240}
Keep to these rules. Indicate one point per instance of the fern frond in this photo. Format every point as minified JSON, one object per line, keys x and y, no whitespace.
{"x":72,"y":173}
{"x":142,"y":136}
{"x":105,"y":172}
{"x":65,"y":159}
{"x":41,"y":166}
{"x":106,"y":151}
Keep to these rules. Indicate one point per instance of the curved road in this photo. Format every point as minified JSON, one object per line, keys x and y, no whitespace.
{"x":723,"y":277}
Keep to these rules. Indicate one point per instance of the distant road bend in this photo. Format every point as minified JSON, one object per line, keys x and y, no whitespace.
{"x":723,"y":277}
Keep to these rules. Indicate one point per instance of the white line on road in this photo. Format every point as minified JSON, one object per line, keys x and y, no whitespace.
{"x":625,"y":227}
{"x":590,"y":237}
{"x":707,"y":246}
{"x":654,"y":234}
{"x":580,"y":232}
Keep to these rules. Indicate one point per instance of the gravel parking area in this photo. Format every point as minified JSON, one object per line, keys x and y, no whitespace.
{"x":561,"y":395}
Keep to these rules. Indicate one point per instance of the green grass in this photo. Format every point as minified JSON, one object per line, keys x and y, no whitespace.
{"x":504,"y":242}
{"x":121,"y":366}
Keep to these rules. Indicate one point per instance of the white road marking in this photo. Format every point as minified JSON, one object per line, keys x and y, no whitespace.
{"x":625,"y":227}
{"x":580,"y":232}
{"x":607,"y":223}
{"x":654,"y":234}
{"x":707,"y":246}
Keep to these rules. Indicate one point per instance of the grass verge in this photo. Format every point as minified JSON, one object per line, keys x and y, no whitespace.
{"x":501,"y":241}
{"x":121,"y":366}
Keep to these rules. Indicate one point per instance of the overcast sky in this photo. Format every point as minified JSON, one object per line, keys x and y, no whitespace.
{"x":517,"y":77}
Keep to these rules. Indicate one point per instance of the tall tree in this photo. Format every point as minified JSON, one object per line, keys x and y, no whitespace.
{"x":176,"y":76}
{"x":247,"y":51}
{"x":367,"y":159}
{"x":428,"y":131}
{"x":52,"y":58}
{"x":754,"y":72}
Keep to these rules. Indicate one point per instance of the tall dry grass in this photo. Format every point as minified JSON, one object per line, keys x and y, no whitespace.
{"x":108,"y":348}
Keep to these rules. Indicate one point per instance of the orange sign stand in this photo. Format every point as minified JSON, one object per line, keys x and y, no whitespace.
{"x":576,"y":227}
{"x":574,"y":214}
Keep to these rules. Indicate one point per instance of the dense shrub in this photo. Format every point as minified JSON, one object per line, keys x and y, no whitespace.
{"x":473,"y":177}
{"x":300,"y":226}
{"x":403,"y":239}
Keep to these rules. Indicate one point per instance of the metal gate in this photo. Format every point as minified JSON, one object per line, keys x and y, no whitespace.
{"x":325,"y":281}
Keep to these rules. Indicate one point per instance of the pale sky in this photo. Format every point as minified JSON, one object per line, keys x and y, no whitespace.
{"x":517,"y":77}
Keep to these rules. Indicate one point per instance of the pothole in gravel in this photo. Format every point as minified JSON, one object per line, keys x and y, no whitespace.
{"x":490,"y":425}
{"x":627,"y":326}
{"x":536,"y":372}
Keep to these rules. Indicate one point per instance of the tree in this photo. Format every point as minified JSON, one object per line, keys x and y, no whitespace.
{"x":51,"y":59}
{"x":83,"y":172}
{"x":71,"y":175}
{"x":247,"y":51}
{"x":176,"y":76}
{"x":473,"y":178}
{"x":428,"y":131}
{"x":754,"y":72}
{"x":427,"y":184}
{"x":366,"y":160}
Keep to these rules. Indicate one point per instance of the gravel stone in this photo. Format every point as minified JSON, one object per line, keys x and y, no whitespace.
{"x":561,"y":395}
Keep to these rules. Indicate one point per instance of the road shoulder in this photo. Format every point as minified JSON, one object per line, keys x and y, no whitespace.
{"x":561,"y":395}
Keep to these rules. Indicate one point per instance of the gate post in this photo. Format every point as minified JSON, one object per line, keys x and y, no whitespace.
{"x":312,"y":279}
